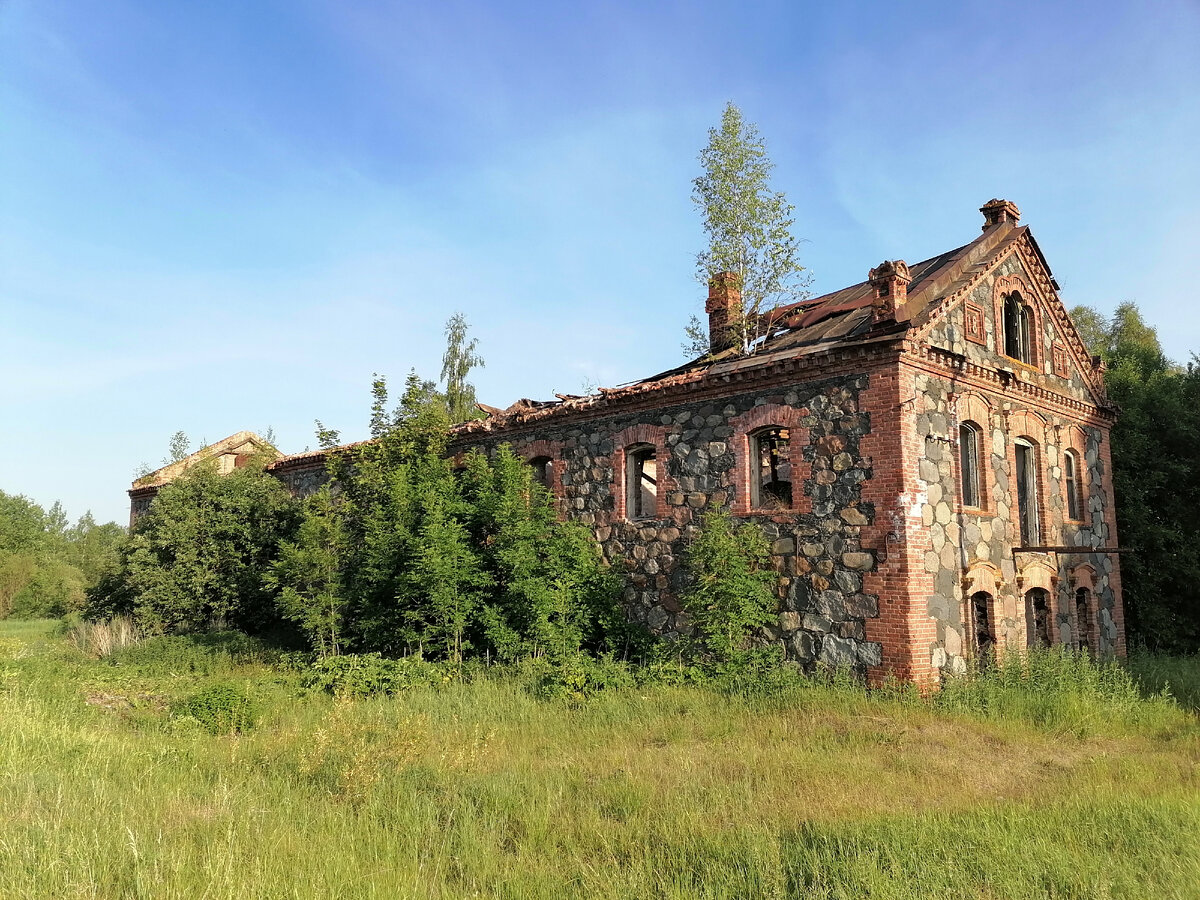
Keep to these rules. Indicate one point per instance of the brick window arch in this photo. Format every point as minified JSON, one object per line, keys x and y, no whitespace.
{"x":970,"y":466}
{"x":632,"y":448}
{"x":546,"y":459}
{"x":768,"y":448}
{"x":1018,"y":321}
{"x":974,"y":412}
{"x":1028,"y":483}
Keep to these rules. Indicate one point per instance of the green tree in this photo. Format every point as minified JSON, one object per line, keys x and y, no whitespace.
{"x":179,"y":448}
{"x":447,"y":575}
{"x":457,"y":362}
{"x":197,"y":559}
{"x":307,"y":575}
{"x":45,"y":563}
{"x":732,"y":590}
{"x":749,"y":227}
{"x":1156,"y":477}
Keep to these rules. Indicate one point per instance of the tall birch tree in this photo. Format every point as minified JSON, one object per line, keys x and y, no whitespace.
{"x":749,"y":228}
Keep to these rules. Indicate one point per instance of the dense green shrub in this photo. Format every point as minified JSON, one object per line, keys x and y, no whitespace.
{"x":219,"y":708}
{"x":732,"y":590}
{"x":196,"y":560}
{"x":369,"y":674}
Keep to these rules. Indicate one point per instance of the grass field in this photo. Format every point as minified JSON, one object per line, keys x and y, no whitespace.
{"x":1064,"y":784}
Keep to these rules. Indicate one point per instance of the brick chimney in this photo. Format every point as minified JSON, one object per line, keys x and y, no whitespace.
{"x":998,"y":211}
{"x":724,"y":308}
{"x":890,"y":280}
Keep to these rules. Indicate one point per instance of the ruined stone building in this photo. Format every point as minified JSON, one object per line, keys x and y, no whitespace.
{"x":927,"y":450}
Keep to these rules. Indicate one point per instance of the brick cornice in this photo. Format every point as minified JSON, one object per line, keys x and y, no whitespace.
{"x":943,"y":362}
{"x":835,"y":362}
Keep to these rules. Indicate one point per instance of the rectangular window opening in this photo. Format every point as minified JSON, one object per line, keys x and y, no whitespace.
{"x":1027,"y":499}
{"x":641,"y":482}
{"x":771,"y":476}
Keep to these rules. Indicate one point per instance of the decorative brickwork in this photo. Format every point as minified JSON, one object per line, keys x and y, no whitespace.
{"x":841,"y":437}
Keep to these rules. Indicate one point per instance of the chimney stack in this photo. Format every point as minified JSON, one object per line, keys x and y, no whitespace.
{"x":890,"y":280}
{"x":724,"y":308}
{"x":997,"y":211}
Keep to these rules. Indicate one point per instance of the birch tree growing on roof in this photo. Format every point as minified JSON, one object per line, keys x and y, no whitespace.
{"x":749,"y":228}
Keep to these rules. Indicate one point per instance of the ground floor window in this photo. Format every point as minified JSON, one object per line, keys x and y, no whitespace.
{"x":985,"y":634}
{"x":1083,"y":619}
{"x":543,"y":470}
{"x":1037,"y":616}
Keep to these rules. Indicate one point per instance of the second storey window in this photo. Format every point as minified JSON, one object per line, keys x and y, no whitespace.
{"x":1027,"y":494}
{"x":771,"y":469}
{"x":1018,"y":329}
{"x":968,"y":451}
{"x":641,"y":481}
{"x":1074,"y":485}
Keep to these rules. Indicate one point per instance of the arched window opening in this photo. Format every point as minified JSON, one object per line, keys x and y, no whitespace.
{"x":1027,"y":493}
{"x":1083,"y":619}
{"x":1037,"y":617}
{"x":985,"y":633}
{"x":1018,"y":329}
{"x":1074,"y":485}
{"x":968,"y":451}
{"x":771,"y":469}
{"x":543,"y":471}
{"x":641,"y":481}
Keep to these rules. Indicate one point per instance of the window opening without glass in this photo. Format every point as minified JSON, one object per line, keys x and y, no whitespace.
{"x":543,"y":470}
{"x":641,"y":481}
{"x":985,"y":636}
{"x":1027,"y":499}
{"x":1037,"y":612}
{"x":771,"y":469}
{"x":1083,"y":619}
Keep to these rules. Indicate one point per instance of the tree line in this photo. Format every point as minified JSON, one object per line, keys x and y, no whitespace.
{"x":46,"y":563}
{"x":1156,"y":476}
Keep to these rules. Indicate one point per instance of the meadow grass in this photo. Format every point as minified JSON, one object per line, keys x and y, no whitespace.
{"x":1048,"y":780}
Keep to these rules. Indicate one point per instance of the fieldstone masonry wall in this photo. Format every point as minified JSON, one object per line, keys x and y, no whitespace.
{"x":963,"y":540}
{"x":702,"y":451}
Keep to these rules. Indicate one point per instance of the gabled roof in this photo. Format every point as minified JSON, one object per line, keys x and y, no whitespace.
{"x":244,"y":443}
{"x":840,"y":319}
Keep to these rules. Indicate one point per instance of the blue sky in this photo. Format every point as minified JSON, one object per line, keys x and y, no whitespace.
{"x":228,"y":215}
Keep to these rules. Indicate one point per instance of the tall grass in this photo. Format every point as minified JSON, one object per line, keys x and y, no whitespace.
{"x":100,"y":639}
{"x":482,"y":789}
